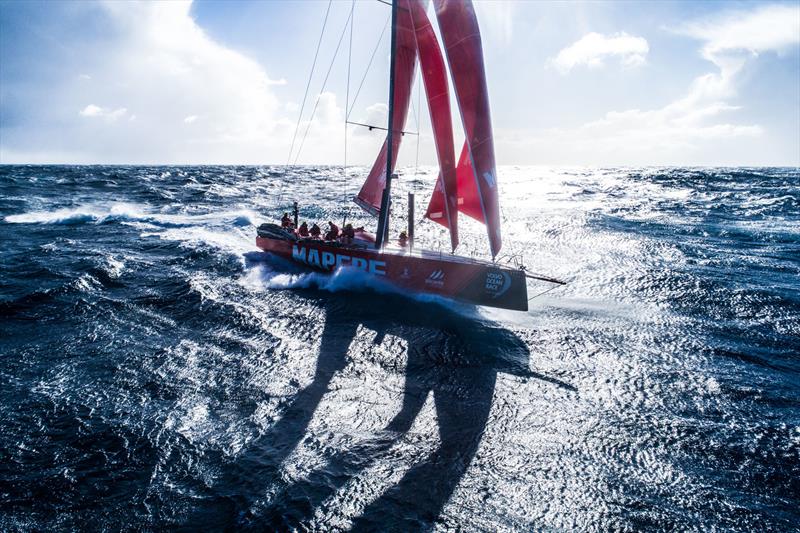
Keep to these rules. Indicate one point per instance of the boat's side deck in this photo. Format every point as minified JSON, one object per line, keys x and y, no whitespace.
{"x":276,"y":232}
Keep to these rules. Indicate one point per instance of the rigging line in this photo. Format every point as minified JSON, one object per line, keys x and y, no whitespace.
{"x":418,"y":81}
{"x":324,"y":83}
{"x":419,"y":104}
{"x":360,"y":85}
{"x":346,"y":105}
{"x":417,"y":112}
{"x":308,"y":84}
{"x":413,"y":109}
{"x":416,"y":161}
{"x":554,"y":287}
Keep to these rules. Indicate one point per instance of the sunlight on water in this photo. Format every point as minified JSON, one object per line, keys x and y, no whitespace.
{"x":161,"y":371}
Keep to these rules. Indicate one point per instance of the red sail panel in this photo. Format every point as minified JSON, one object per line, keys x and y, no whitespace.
{"x":369,"y":197}
{"x":436,"y":209}
{"x":434,"y":76}
{"x":462,"y":39}
{"x":469,"y":201}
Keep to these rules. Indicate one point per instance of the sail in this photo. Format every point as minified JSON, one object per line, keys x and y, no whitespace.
{"x":462,"y":40}
{"x":468,"y":199}
{"x":434,"y":76}
{"x":369,"y":197}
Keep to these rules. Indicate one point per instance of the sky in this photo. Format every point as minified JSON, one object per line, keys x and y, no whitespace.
{"x":223,"y":82}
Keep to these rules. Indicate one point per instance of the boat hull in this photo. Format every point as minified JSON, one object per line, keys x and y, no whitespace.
{"x":453,"y":277}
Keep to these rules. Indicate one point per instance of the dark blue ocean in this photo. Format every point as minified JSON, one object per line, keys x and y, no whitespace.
{"x":158,"y":372}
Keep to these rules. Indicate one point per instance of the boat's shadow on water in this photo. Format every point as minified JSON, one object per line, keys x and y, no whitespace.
{"x":449,"y":356}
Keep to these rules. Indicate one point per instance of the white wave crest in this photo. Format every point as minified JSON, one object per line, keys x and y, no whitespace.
{"x":127,"y":212}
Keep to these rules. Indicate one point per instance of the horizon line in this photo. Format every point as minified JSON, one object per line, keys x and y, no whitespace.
{"x":560,"y":165}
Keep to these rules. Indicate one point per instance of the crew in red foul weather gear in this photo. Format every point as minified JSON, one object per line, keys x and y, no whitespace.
{"x":303,"y":230}
{"x":333,"y":233}
{"x":315,"y":231}
{"x":286,"y":222}
{"x":348,"y":234}
{"x":402,"y":240}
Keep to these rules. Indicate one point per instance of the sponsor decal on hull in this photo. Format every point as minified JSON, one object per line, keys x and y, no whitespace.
{"x":497,"y":283}
{"x":436,"y":278}
{"x":331,"y":261}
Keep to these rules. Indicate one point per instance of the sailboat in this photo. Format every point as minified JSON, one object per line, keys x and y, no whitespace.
{"x":468,"y":186}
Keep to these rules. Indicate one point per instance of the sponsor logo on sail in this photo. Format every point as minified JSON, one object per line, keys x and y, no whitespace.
{"x":436,"y":278}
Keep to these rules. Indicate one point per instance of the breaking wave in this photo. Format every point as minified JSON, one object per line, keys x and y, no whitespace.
{"x":121,"y":212}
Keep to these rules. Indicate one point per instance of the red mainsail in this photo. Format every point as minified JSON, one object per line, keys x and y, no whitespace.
{"x":434,"y":76}
{"x":476,"y":168}
{"x":369,"y":197}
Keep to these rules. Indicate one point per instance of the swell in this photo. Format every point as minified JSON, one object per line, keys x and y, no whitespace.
{"x":163,"y":373}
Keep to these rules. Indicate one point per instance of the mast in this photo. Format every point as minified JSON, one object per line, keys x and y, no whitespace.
{"x":383,"y":218}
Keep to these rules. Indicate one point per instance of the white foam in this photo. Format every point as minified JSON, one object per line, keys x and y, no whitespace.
{"x":58,"y":216}
{"x":128,"y":212}
{"x":231,"y":241}
{"x":344,"y":279}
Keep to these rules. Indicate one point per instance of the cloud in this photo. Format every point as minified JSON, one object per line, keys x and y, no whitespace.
{"x":111,"y":115}
{"x":594,"y":48}
{"x":376,"y":115}
{"x":770,"y":28}
{"x":169,"y":72}
{"x":324,"y":135}
{"x":91,"y":110}
{"x":694,"y":127}
{"x":169,"y":69}
{"x":731,"y":40}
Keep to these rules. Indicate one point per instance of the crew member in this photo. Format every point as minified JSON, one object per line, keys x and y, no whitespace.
{"x":348,"y":234}
{"x":286,"y":222}
{"x":315,"y":231}
{"x":303,"y":230}
{"x":333,"y":233}
{"x":402,"y":240}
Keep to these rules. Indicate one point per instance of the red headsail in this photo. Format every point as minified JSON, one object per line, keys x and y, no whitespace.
{"x":462,"y":40}
{"x":369,"y":197}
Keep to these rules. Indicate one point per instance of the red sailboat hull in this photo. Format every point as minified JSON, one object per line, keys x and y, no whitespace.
{"x":447,"y":276}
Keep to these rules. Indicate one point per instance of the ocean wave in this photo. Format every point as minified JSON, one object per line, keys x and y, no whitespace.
{"x":144,"y":334}
{"x":125,"y":212}
{"x":232,"y":242}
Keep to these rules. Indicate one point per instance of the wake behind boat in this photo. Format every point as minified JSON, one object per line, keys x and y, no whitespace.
{"x":470,"y":187}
